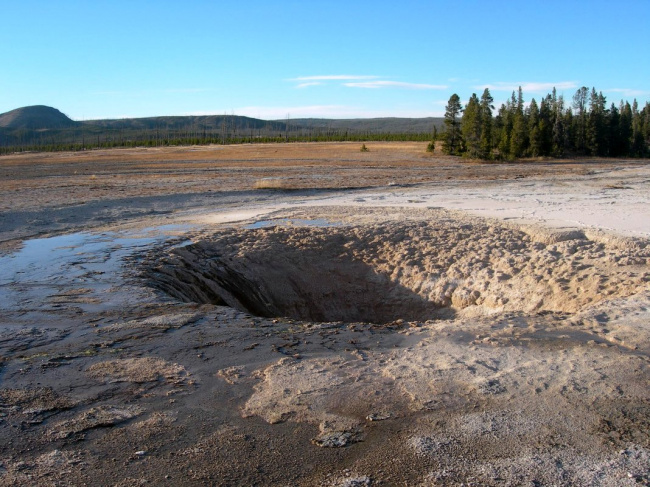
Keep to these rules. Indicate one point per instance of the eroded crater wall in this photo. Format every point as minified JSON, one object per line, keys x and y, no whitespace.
{"x":415,"y":270}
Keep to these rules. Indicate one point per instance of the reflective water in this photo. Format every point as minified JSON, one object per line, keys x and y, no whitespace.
{"x":296,"y":222}
{"x":76,"y":268}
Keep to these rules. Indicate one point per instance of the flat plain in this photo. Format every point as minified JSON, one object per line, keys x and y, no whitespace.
{"x":310,"y":314}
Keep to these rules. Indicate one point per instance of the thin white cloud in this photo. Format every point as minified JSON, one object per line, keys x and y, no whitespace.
{"x":309,"y":83}
{"x":394,"y":84}
{"x":529,"y":87}
{"x":326,"y":111}
{"x":362,"y":81}
{"x":627,"y":91}
{"x":329,"y":77}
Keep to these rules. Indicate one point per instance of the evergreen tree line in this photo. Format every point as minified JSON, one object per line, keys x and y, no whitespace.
{"x":63,"y":141}
{"x":549,"y":128}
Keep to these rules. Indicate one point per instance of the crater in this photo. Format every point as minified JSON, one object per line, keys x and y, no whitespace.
{"x":413,"y":271}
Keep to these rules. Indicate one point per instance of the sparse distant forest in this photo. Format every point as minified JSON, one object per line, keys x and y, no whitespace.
{"x":41,"y":128}
{"x":584,"y":126}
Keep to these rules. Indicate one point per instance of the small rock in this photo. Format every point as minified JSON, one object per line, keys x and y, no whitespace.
{"x":377,"y":416}
{"x":337,"y":439}
{"x":357,"y":482}
{"x":492,"y":386}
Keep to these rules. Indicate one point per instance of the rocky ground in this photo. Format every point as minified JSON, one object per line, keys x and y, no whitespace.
{"x":312,"y":315}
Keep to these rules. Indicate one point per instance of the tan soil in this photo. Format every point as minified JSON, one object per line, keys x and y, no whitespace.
{"x":405,"y":340}
{"x":28,"y":180}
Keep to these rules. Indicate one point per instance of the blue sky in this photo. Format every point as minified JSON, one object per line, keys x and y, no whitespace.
{"x":335,"y":59}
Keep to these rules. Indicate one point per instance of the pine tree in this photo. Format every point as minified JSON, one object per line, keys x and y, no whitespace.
{"x":569,"y":127}
{"x":559,"y":129}
{"x":625,"y":130}
{"x":486,"y":108}
{"x":504,"y":130}
{"x":614,"y":132}
{"x":596,"y":133}
{"x":546,"y":125}
{"x":580,"y":119}
{"x":453,"y":140}
{"x":637,"y":148}
{"x":519,"y":138}
{"x":471,"y":127}
{"x":535,"y":135}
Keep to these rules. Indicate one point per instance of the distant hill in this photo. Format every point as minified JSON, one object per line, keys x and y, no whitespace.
{"x":196,"y":122}
{"x":43,"y":117}
{"x":45,"y":128}
{"x":34,"y":118}
{"x":370,"y":125}
{"x":240,"y":123}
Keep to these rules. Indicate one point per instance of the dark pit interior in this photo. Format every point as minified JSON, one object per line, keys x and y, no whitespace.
{"x":304,"y":284}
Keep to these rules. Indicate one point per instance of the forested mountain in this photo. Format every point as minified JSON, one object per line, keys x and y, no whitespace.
{"x":588,"y":127}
